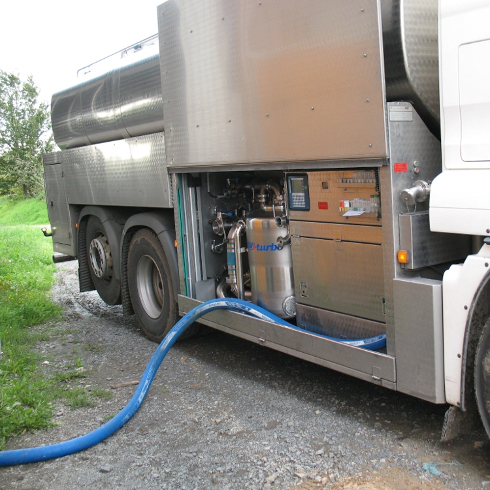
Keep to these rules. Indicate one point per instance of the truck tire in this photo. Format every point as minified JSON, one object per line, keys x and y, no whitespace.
{"x":100,"y":261}
{"x":482,"y":376}
{"x":150,"y":285}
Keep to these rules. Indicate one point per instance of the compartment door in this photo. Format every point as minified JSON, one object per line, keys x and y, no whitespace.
{"x":346,"y":277}
{"x":58,"y":212}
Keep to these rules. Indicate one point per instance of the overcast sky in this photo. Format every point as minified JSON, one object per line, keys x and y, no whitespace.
{"x":52,"y":39}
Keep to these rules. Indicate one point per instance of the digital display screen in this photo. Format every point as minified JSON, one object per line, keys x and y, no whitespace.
{"x":297,"y":184}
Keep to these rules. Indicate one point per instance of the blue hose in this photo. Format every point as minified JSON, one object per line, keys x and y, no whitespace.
{"x":43,"y":453}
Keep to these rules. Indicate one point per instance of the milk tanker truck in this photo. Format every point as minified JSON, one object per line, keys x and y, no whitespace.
{"x":327,"y":161}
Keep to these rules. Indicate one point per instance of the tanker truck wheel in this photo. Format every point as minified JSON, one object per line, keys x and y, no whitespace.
{"x":150,"y":285}
{"x":482,"y":377}
{"x":100,"y":262}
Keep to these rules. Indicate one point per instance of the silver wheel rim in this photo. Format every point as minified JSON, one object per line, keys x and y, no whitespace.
{"x":150,"y":286}
{"x":100,"y":257}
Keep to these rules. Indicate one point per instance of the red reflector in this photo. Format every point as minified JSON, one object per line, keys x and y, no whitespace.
{"x":323,"y":205}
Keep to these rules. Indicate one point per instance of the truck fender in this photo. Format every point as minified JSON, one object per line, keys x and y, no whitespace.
{"x":162,"y":224}
{"x":465,"y":311}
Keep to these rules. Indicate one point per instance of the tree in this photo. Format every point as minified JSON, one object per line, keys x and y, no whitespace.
{"x":25,"y":134}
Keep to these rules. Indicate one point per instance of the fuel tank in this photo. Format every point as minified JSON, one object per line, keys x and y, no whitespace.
{"x":271,"y":267}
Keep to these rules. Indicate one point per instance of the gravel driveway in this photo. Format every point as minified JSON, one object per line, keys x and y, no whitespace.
{"x":224,"y":413}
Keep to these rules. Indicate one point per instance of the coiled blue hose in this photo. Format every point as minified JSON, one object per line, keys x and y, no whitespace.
{"x":43,"y":453}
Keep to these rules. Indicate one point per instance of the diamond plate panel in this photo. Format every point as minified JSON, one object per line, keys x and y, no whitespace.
{"x":129,"y":172}
{"x":257,"y":82}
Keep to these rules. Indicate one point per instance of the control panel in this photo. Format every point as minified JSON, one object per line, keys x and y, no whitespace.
{"x":338,"y":196}
{"x":298,"y":192}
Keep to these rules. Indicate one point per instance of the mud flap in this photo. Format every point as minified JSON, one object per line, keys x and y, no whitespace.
{"x":458,"y":423}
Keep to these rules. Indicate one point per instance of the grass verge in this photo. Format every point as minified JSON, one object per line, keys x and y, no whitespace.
{"x":23,"y":211}
{"x":26,"y":276}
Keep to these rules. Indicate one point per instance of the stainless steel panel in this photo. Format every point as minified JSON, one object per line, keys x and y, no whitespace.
{"x":368,"y":365}
{"x":58,"y":211}
{"x":419,"y":340}
{"x":337,"y":325}
{"x":130,"y":172}
{"x":426,"y":247}
{"x":335,"y":231}
{"x":340,"y":276}
{"x":126,"y":101}
{"x":247,"y":82}
{"x":411,"y":55}
{"x":206,"y":290}
{"x":375,"y":375}
{"x":415,"y":154}
{"x":283,"y":166}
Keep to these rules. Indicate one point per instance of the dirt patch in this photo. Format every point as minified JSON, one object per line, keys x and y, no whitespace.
{"x":389,"y":479}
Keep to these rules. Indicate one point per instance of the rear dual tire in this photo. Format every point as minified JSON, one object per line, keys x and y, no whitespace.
{"x":150,"y":285}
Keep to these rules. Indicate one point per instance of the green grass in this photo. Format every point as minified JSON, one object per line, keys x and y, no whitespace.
{"x":78,"y":396}
{"x":92,"y":348}
{"x":70,"y":375}
{"x":27,"y":212}
{"x":108,"y":417}
{"x":83,"y":397}
{"x":101,"y":393}
{"x":27,"y":393}
{"x":26,"y":276}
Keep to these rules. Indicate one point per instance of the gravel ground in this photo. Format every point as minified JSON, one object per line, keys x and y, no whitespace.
{"x":224,"y":413}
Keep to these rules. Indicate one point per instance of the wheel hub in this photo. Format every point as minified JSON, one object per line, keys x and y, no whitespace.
{"x":101,"y":258}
